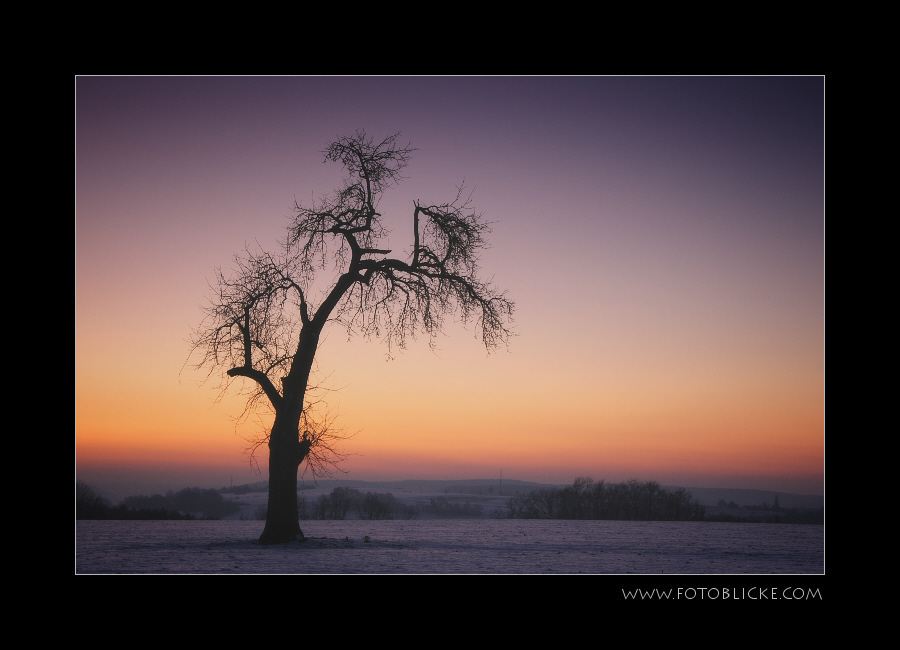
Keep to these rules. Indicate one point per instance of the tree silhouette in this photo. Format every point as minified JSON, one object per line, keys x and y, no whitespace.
{"x":263,"y":325}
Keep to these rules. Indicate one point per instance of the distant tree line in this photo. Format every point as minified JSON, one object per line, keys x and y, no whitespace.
{"x":202,"y":503}
{"x":90,"y":505}
{"x":586,"y":499}
{"x":190,"y":503}
{"x":349,"y":503}
{"x":769,"y":514}
{"x":246,"y":488}
{"x":443,"y":508}
{"x":344,"y":503}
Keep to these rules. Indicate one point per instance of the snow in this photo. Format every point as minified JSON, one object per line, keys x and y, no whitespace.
{"x":472,"y":546}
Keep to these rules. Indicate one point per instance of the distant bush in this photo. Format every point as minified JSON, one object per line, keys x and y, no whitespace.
{"x":441,"y":507}
{"x":89,"y":505}
{"x":375,"y":505}
{"x":585,"y":499}
{"x":342,"y":502}
{"x":198,"y":502}
{"x":768,"y":514}
{"x":246,"y":488}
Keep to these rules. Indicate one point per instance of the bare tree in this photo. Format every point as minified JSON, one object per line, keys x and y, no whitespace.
{"x":262,"y":324}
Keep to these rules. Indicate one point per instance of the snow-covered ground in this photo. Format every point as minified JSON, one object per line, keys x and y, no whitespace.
{"x":453,"y":546}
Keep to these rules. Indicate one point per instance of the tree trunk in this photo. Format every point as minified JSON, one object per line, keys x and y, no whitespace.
{"x":286,"y":451}
{"x":282,"y":523}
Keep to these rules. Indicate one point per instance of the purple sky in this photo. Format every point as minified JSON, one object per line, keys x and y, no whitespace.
{"x":663,"y":239}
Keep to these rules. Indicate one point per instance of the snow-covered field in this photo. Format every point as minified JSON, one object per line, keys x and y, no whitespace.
{"x":498,"y":546}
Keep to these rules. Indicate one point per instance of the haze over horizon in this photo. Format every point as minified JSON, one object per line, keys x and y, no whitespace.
{"x":662,"y":237}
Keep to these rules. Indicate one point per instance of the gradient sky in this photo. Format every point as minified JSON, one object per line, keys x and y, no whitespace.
{"x":662,"y":237}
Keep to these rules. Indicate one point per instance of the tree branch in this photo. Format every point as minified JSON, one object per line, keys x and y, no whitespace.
{"x":262,"y":379}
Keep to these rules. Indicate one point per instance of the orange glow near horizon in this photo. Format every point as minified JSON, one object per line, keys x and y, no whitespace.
{"x":478,"y":412}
